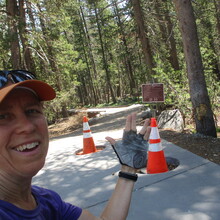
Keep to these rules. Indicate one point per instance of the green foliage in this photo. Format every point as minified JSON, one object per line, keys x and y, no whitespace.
{"x":53,"y":108}
{"x":213,"y":84}
{"x":82,"y":48}
{"x":175,"y":87}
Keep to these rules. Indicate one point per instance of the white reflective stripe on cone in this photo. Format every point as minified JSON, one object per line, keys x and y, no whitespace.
{"x":154,"y":134}
{"x":86,"y":126}
{"x":155,"y":147}
{"x":87,"y":135}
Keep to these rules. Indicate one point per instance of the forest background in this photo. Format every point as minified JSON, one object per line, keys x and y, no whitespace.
{"x":100,"y":52}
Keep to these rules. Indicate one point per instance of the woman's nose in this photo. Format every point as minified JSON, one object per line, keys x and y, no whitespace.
{"x":24,"y":124}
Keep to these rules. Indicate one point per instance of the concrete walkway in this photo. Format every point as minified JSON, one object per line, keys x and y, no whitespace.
{"x":189,"y":192}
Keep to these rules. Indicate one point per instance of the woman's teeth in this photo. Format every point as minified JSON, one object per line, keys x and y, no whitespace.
{"x":27,"y":146}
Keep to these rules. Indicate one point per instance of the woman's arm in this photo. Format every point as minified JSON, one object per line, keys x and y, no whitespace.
{"x":119,"y":203}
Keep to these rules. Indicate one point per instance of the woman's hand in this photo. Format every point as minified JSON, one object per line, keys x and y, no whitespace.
{"x":132,"y":149}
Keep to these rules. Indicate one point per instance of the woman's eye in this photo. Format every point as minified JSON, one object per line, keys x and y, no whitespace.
{"x":33,"y":111}
{"x":3,"y":116}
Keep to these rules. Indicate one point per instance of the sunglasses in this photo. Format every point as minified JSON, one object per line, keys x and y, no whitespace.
{"x":15,"y":76}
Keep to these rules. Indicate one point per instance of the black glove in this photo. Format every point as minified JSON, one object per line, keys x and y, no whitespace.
{"x":132,"y":150}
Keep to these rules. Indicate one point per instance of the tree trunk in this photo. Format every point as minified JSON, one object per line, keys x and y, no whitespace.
{"x":203,"y":114}
{"x":127,"y":55}
{"x":28,"y":62}
{"x":88,"y":42}
{"x":173,"y":52}
{"x":12,"y":9}
{"x":89,"y":60}
{"x":50,"y":52}
{"x":105,"y":63}
{"x":217,"y":47}
{"x":217,"y":8}
{"x":166,"y":29}
{"x":143,"y":37}
{"x":30,"y":14}
{"x":52,"y":60}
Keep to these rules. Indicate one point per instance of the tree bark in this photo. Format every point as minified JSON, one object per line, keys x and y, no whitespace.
{"x":50,"y":51}
{"x":12,"y":9}
{"x":203,"y":114}
{"x":141,"y":30}
{"x":166,"y":29}
{"x":217,"y":8}
{"x":217,"y":47}
{"x":28,"y":62}
{"x":89,"y":60}
{"x":127,"y":55}
{"x":173,"y":52}
{"x":105,"y":63}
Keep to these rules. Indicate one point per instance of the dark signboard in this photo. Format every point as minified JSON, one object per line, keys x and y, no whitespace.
{"x":152,"y":93}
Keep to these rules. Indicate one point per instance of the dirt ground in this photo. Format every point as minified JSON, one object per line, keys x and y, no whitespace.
{"x":206,"y":147}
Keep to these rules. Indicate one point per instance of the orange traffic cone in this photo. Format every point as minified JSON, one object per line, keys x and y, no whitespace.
{"x":88,"y":142}
{"x":156,"y":162}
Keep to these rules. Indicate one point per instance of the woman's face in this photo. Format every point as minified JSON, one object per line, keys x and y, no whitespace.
{"x":23,"y":134}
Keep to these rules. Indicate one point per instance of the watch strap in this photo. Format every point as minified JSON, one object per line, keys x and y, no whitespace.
{"x":129,"y":176}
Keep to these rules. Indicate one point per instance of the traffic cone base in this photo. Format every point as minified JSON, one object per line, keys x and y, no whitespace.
{"x":159,"y":164}
{"x":98,"y":149}
{"x":88,"y":146}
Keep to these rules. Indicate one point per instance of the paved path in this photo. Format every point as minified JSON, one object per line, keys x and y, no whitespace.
{"x":189,"y":192}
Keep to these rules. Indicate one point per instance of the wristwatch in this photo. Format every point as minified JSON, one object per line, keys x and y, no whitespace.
{"x":129,"y":176}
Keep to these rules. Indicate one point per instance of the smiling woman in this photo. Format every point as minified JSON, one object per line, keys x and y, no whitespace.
{"x":22,"y":126}
{"x":23,"y":148}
